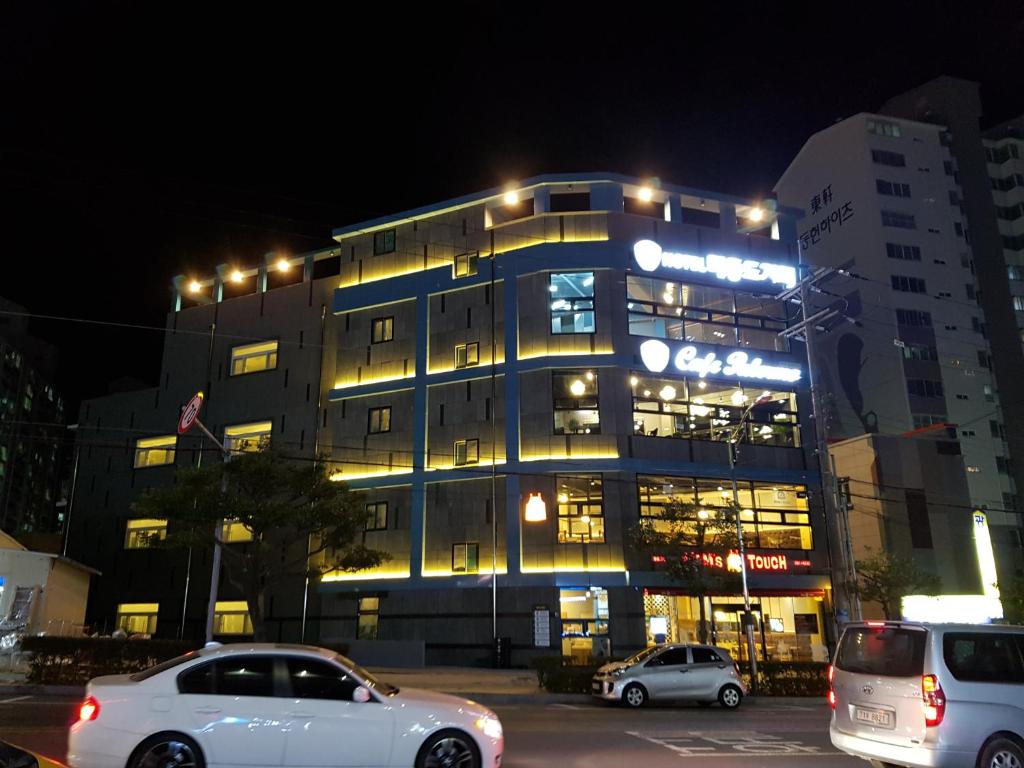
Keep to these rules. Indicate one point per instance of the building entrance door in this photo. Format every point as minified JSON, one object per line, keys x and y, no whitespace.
{"x":727,"y":630}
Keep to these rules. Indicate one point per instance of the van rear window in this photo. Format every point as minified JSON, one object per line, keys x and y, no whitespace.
{"x":886,"y":651}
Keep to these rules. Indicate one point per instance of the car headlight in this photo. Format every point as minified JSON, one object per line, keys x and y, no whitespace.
{"x":619,"y":672}
{"x":491,"y":727}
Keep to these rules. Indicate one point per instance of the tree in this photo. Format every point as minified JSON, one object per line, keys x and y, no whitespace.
{"x":886,"y":580}
{"x":1012,"y":597}
{"x":282,"y":501}
{"x":699,"y":545}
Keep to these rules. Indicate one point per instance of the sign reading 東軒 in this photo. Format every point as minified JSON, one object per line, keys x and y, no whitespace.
{"x":656,"y":354}
{"x":650,"y":256}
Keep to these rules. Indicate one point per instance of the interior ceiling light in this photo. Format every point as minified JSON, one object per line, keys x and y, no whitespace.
{"x":578,"y":387}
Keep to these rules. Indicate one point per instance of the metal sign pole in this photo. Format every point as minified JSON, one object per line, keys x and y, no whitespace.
{"x":218,"y":527}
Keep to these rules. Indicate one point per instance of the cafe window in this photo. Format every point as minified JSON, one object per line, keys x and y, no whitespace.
{"x":378,"y":420}
{"x":703,"y":314}
{"x":382,"y":329}
{"x":144,"y":534}
{"x":155,"y":451}
{"x":246,"y":438}
{"x":466,"y":264}
{"x":235,"y":532}
{"x":572,"y":302}
{"x":467,"y":452}
{"x":465,"y":558}
{"x":585,"y":625}
{"x":467,"y":355}
{"x":695,"y":409}
{"x":377,"y":516}
{"x":575,"y":403}
{"x":383,"y":242}
{"x":774,"y":515}
{"x":368,"y":618}
{"x":137,"y":618}
{"x":231,"y":617}
{"x":252,"y":358}
{"x":580,"y":509}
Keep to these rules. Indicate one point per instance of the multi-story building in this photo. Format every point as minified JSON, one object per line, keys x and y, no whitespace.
{"x":585,"y":344}
{"x":1004,"y":152}
{"x":897,"y":204}
{"x":31,"y":432}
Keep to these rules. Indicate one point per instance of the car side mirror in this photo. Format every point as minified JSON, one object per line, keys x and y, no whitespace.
{"x":361,"y":694}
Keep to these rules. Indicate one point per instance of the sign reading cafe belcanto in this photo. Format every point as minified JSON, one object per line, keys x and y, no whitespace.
{"x":650,"y":256}
{"x":655,"y":355}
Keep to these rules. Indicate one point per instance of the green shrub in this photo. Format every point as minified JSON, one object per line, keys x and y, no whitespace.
{"x":792,"y":678}
{"x":557,"y":674}
{"x":76,"y":660}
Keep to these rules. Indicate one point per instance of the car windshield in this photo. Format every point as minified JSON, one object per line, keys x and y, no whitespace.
{"x":372,"y":682}
{"x":145,"y":674}
{"x":636,"y":658}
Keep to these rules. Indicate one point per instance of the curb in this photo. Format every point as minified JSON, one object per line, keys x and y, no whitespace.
{"x":32,"y":689}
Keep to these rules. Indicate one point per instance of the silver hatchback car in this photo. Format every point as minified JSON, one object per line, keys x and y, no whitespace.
{"x":702,"y":673}
{"x":910,"y":694}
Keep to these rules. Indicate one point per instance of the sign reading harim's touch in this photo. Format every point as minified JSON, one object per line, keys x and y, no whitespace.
{"x":650,"y":256}
{"x":656,"y":354}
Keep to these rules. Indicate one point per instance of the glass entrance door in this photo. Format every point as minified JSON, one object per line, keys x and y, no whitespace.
{"x":727,"y":630}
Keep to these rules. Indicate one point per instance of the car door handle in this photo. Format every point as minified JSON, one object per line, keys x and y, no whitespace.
{"x":207,"y":710}
{"x":300,"y":714}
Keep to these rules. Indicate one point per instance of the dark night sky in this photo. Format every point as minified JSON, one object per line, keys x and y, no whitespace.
{"x":141,"y":141}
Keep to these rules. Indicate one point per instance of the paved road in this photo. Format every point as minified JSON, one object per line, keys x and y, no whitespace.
{"x":766,"y":733}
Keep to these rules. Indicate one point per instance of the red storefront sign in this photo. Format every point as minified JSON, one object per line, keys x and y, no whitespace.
{"x":755,"y":561}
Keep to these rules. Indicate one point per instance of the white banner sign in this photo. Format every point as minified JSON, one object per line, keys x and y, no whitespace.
{"x":656,"y":354}
{"x":650,"y":256}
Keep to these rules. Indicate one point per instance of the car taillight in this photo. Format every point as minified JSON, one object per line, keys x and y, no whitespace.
{"x":831,"y":698}
{"x":831,"y":673}
{"x":89,"y":710}
{"x":831,"y":692}
{"x":934,"y":700}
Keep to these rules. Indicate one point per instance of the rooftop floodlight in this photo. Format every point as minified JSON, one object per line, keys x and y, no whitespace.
{"x":645,"y":194}
{"x":236,"y":276}
{"x":283,"y":265}
{"x":511,"y":197}
{"x":194,"y":287}
{"x":756,"y":213}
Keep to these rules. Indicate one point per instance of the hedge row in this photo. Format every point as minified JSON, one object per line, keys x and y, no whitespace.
{"x":76,"y":660}
{"x":777,"y":678}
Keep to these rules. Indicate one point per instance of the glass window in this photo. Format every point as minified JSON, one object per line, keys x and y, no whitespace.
{"x":316,"y":679}
{"x":707,"y":410}
{"x":984,"y":657}
{"x":672,"y":657}
{"x":251,"y":358}
{"x":378,"y":420}
{"x":580,"y":509}
{"x":467,"y":452}
{"x":705,"y":656}
{"x":231,"y":617}
{"x":242,"y":438}
{"x":137,"y":618}
{"x":703,"y":314}
{"x":368,"y":618}
{"x":382,"y":329}
{"x":144,"y":534}
{"x":199,"y":679}
{"x":377,"y":516}
{"x":383,"y":242}
{"x":465,"y":558}
{"x":235,"y":532}
{"x":155,"y":451}
{"x":466,"y":264}
{"x":575,"y":402}
{"x":244,"y":676}
{"x":467,"y":355}
{"x":572,"y":302}
{"x":885,"y":650}
{"x":585,"y":625}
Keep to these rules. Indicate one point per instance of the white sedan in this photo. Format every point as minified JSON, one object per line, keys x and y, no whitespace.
{"x":245,"y":705}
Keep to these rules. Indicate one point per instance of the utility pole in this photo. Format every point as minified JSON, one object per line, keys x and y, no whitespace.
{"x":804,"y":330}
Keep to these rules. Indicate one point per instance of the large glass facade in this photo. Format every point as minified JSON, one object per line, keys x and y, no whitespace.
{"x":574,"y":399}
{"x":789,"y":627}
{"x":703,"y":314}
{"x":696,"y":409}
{"x":572,"y":302}
{"x":584,"y":615}
{"x":775,"y":515}
{"x":580,"y":509}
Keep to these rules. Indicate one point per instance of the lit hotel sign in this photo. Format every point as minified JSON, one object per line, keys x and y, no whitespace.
{"x":656,"y":355}
{"x":650,"y":256}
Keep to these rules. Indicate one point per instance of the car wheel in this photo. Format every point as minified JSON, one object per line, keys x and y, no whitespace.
{"x":1002,"y":753}
{"x":730,"y":696}
{"x":449,"y":749}
{"x":167,"y":749}
{"x":634,"y":695}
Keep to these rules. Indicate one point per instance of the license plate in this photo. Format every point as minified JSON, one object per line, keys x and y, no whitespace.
{"x":877,"y":717}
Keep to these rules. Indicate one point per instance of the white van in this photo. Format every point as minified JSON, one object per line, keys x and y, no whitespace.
{"x":911,"y":694}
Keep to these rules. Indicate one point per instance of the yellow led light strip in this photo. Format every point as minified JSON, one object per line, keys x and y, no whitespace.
{"x":372,"y":576}
{"x":574,"y":457}
{"x":368,"y":382}
{"x":339,"y":476}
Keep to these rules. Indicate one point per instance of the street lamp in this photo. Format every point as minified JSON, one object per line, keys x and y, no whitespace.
{"x":748,"y":617}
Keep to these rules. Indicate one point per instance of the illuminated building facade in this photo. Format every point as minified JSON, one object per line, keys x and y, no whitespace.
{"x":577,"y":349}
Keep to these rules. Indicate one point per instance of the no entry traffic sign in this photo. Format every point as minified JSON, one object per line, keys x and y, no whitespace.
{"x":190,"y":413}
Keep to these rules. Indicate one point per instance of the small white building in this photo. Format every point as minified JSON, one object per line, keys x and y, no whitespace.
{"x":41,"y":591}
